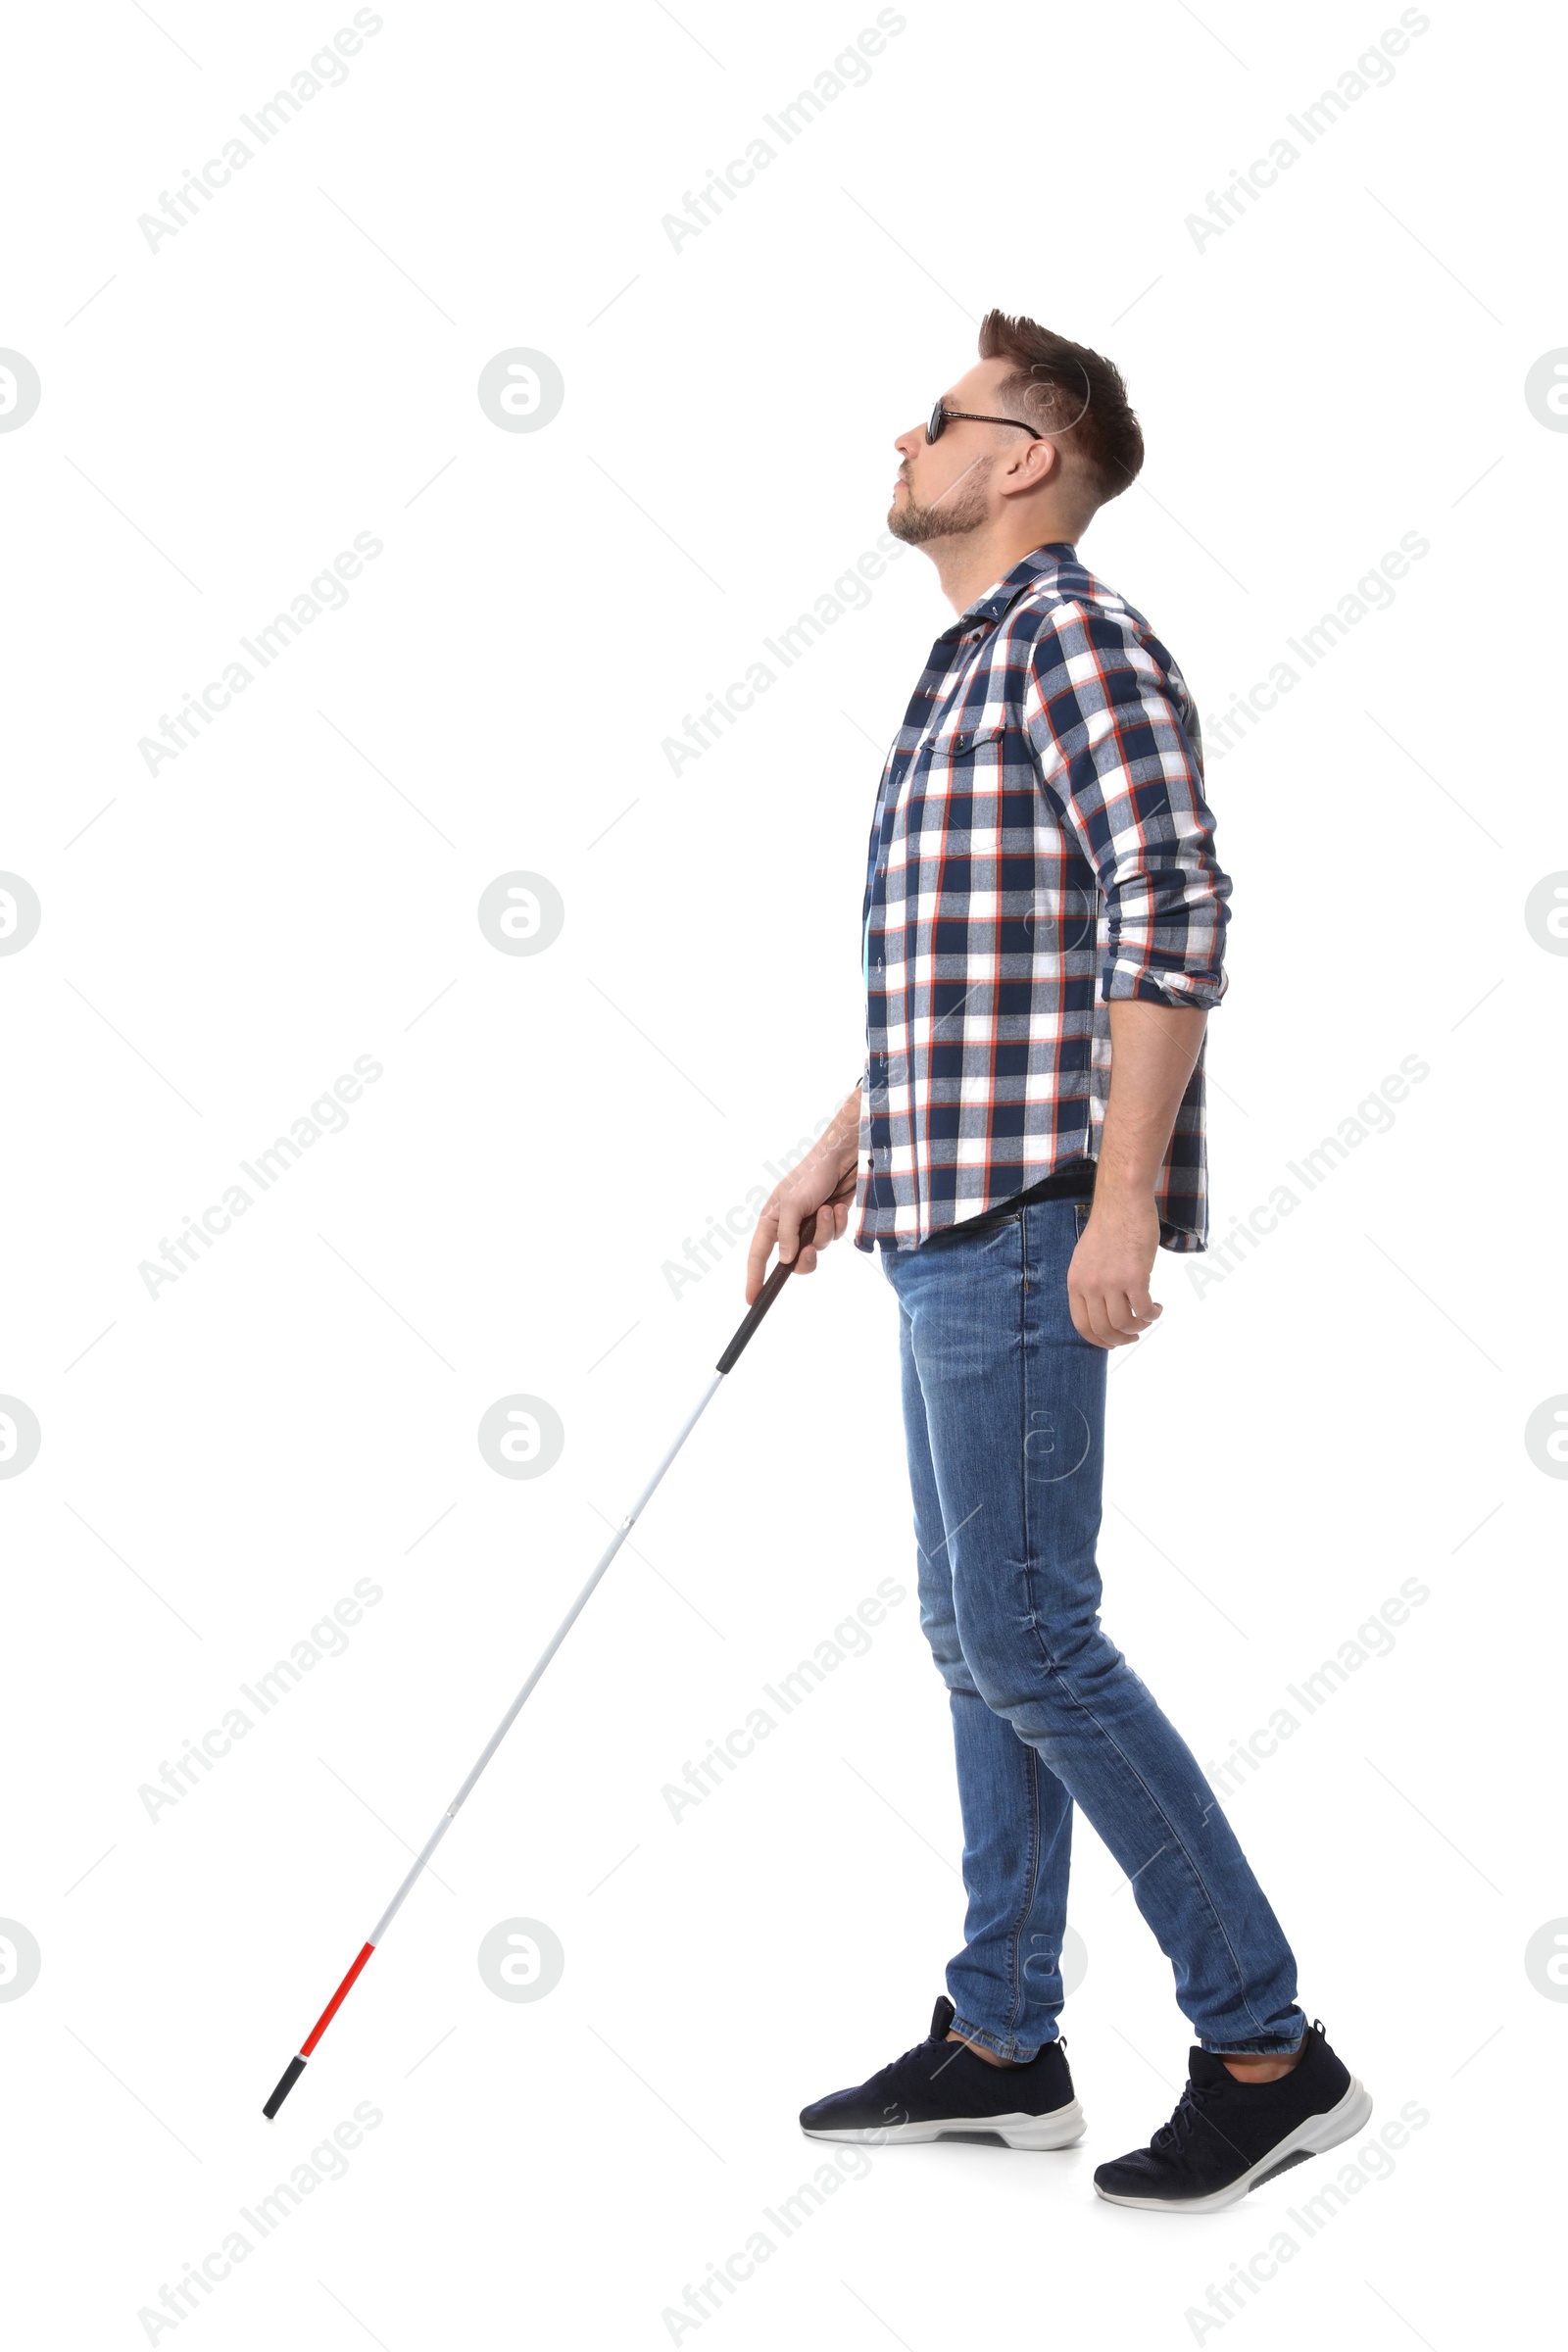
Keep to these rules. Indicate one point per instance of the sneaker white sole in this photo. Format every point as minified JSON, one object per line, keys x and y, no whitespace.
{"x":1057,"y":2129}
{"x":1311,"y":2137}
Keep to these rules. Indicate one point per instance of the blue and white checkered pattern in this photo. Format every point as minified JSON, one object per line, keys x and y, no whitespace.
{"x":1040,"y":848}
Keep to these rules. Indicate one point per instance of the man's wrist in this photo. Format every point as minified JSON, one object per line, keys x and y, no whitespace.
{"x":844,"y":1135}
{"x":1125,"y":1188}
{"x":836,"y":1155}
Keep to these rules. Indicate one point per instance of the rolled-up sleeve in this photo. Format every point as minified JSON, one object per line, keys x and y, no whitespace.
{"x":1116,"y":740}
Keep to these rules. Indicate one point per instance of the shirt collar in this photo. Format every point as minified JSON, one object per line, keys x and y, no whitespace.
{"x":1042,"y":562}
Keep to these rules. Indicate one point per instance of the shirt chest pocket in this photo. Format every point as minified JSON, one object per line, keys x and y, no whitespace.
{"x":964,"y":743}
{"x":960,"y":779}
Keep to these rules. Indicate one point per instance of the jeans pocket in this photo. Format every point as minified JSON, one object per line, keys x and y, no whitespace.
{"x":1080,"y":1212}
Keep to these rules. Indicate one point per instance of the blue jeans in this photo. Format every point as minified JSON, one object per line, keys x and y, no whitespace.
{"x":1004,"y":1409}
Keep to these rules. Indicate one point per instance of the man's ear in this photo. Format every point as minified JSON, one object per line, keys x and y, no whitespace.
{"x":1032,"y":467}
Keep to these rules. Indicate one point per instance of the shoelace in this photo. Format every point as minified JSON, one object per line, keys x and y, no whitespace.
{"x":1186,"y":2116}
{"x":886,"y":2074}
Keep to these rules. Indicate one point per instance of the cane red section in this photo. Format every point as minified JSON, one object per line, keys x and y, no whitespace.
{"x":333,"y":2005}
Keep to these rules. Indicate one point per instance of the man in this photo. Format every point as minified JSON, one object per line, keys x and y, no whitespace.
{"x":1043,"y":939}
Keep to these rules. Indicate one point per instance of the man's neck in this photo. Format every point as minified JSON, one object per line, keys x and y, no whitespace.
{"x":973,"y":561}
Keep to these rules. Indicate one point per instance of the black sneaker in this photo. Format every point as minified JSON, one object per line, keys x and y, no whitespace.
{"x":1227,"y":2137}
{"x":941,"y":2090}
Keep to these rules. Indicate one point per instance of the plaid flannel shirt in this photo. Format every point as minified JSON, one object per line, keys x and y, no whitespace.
{"x":1040,"y":848}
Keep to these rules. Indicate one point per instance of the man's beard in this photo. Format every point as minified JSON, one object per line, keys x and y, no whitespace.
{"x":959,"y":510}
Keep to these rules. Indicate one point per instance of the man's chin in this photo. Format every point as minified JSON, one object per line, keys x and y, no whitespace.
{"x":908,"y":521}
{"x":919,"y":527}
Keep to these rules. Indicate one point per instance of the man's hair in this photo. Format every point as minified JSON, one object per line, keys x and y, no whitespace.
{"x":1071,"y":394}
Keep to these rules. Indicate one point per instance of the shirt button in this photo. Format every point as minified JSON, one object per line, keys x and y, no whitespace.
{"x":959,"y":742}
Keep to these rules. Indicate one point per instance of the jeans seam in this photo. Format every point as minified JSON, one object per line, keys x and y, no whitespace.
{"x":1034,"y":1787}
{"x":1028,"y":1899}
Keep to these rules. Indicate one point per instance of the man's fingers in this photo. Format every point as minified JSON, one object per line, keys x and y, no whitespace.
{"x":757,"y":1256}
{"x":1083,"y":1316}
{"x":816,"y":1232}
{"x":1112,"y":1316}
{"x":800,"y":1236}
{"x":1098,"y":1320}
{"x":1133,"y":1316}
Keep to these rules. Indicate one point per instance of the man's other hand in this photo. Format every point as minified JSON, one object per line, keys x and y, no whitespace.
{"x":1107,"y":1280}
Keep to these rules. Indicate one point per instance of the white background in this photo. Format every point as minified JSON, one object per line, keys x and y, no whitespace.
{"x":1341,"y":1410}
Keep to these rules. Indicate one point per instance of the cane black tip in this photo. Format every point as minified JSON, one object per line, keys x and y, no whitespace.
{"x":291,"y":2075}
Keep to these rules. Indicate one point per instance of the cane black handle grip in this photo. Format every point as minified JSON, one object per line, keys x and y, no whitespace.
{"x":764,"y":1299}
{"x":290,"y":2076}
{"x":781,"y":1274}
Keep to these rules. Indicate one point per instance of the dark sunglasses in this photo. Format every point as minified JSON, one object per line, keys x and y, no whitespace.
{"x":940,"y":416}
